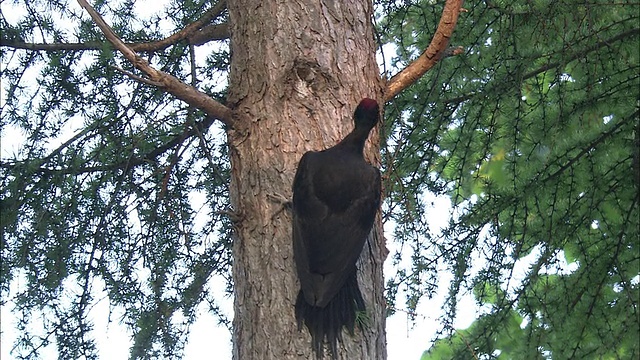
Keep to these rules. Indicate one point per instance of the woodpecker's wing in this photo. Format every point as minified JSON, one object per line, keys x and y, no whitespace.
{"x":335,"y":201}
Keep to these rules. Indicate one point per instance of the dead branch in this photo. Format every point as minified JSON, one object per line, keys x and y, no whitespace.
{"x":167,"y":82}
{"x":434,"y":52}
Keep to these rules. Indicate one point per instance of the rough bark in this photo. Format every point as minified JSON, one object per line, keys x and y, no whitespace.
{"x":298,"y":70}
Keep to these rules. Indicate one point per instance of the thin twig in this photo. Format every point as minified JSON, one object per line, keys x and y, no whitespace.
{"x":136,"y":77}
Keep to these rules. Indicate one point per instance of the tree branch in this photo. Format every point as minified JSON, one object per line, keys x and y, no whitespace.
{"x":192,"y":28}
{"x":209,"y":33}
{"x":167,"y":82}
{"x":197,"y":33}
{"x":19,"y":44}
{"x":434,"y":52}
{"x":136,"y":77}
{"x":196,"y":129}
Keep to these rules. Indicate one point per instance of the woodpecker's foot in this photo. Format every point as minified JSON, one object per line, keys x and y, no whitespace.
{"x":234,"y":216}
{"x":285,"y":203}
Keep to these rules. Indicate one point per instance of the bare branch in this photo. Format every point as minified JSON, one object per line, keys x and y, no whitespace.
{"x":167,"y":82}
{"x":209,"y":33}
{"x":434,"y":52}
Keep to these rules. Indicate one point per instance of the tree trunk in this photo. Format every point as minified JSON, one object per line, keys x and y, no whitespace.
{"x":298,"y":70}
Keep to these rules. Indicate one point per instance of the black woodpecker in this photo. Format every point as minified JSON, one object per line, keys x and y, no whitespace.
{"x":336,"y":195}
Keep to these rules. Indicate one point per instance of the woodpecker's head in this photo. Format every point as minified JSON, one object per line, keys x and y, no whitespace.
{"x":367,"y":113}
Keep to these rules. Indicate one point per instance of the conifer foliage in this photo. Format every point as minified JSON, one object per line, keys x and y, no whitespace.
{"x":530,"y":128}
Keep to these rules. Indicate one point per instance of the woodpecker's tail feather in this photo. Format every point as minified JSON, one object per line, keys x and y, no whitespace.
{"x":327,"y":322}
